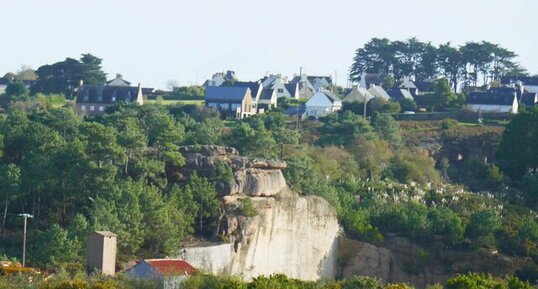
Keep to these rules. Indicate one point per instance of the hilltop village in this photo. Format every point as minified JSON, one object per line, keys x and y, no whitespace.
{"x":418,"y":171}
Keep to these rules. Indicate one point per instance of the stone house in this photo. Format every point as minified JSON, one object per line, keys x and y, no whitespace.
{"x":93,"y":100}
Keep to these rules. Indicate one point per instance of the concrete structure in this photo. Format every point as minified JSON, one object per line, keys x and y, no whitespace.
{"x":322,"y":103}
{"x":101,"y":252}
{"x":168,"y":273}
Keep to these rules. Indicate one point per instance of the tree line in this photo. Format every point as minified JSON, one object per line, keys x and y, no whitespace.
{"x":470,"y":64}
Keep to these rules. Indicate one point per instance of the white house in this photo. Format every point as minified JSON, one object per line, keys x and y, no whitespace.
{"x":322,"y":103}
{"x":379,"y":92}
{"x":492,"y":102}
{"x":168,"y":273}
{"x":278,"y":84}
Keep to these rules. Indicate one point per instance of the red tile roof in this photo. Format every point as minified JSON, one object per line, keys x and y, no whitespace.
{"x":171,"y":266}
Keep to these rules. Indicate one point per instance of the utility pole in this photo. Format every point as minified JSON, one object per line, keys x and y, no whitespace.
{"x":25,"y":216}
{"x":366,"y":99}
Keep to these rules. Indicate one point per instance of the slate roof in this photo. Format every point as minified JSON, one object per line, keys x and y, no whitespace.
{"x":407,"y":83}
{"x":313,"y":78}
{"x":378,"y":91}
{"x":232,"y":94}
{"x":359,"y":94}
{"x":525,"y":79}
{"x":503,"y":89}
{"x":399,"y":94}
{"x":424,"y":86}
{"x":291,"y":88}
{"x":529,"y":99}
{"x":531,"y":88}
{"x":171,"y":266}
{"x":295,"y":110}
{"x":105,"y":94}
{"x":490,"y":98}
{"x":119,"y":78}
{"x":267,"y":94}
{"x":254,"y":86}
{"x":4,"y":81}
{"x":331,"y":96}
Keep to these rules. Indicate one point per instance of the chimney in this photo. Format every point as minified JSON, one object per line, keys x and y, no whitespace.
{"x":119,"y":76}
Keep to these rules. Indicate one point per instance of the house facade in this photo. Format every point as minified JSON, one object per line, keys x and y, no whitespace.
{"x":492,"y":102}
{"x":306,"y":90}
{"x":293,"y":90}
{"x":268,"y":99}
{"x":168,"y":273}
{"x":93,"y":100}
{"x":322,"y":103}
{"x":231,"y":101}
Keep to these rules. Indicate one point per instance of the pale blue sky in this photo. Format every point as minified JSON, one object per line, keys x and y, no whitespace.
{"x":160,"y":40}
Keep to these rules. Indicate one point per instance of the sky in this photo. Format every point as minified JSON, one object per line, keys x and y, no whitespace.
{"x":157,"y":41}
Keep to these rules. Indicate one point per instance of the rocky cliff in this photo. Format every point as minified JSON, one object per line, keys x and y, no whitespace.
{"x":299,"y":235}
{"x":290,"y":234}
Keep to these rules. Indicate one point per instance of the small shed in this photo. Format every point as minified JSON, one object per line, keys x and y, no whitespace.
{"x":169,"y":273}
{"x":101,"y":252}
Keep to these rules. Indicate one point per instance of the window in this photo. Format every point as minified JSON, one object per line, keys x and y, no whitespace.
{"x":280,"y":90}
{"x":113,"y":99}
{"x":101,"y":108}
{"x":92,"y":108}
{"x":83,"y":107}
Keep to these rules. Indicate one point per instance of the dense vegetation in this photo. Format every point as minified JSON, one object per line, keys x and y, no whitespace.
{"x":76,"y":175}
{"x":202,"y":281}
{"x":431,"y":182}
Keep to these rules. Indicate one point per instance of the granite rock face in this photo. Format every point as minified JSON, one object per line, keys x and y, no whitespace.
{"x":291,"y":234}
{"x":252,"y":177}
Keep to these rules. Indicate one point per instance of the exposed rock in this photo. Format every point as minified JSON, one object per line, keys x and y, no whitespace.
{"x":359,"y":258}
{"x":293,"y":235}
{"x":253,"y":177}
{"x":259,"y":182}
